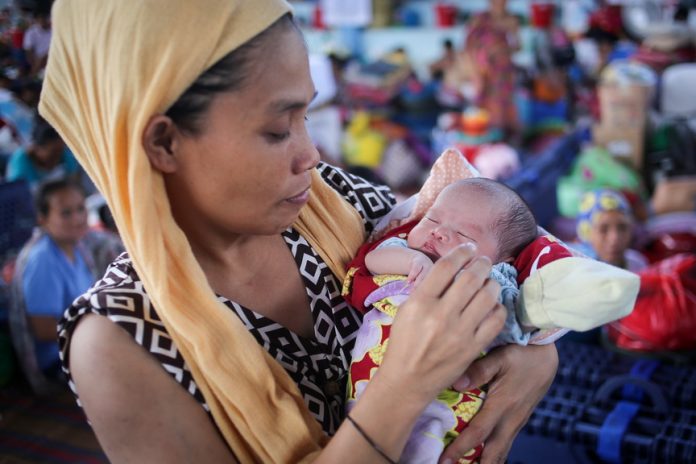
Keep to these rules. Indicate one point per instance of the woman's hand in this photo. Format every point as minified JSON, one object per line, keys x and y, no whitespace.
{"x":444,"y":325}
{"x":518,"y":377}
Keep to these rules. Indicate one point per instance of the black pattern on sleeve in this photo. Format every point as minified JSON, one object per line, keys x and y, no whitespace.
{"x":371,"y":201}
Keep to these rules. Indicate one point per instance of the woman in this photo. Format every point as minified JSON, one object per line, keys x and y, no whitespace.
{"x":52,"y":270}
{"x":492,"y":38}
{"x":192,"y":126}
{"x":605,"y":230}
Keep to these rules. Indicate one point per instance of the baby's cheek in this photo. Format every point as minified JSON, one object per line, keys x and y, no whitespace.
{"x":414,"y":239}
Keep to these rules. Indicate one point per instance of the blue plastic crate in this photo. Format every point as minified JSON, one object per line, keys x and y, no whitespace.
{"x":606,"y":407}
{"x":590,"y":366}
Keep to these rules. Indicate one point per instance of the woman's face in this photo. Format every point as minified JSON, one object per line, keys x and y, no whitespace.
{"x":248,"y":171}
{"x":498,"y":6}
{"x":66,"y":221}
{"x":610,"y":236}
{"x":50,"y":153}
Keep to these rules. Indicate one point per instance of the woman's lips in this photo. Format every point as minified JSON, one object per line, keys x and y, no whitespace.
{"x":301,"y":198}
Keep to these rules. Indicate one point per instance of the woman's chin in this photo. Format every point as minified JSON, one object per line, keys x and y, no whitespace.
{"x":614,"y":259}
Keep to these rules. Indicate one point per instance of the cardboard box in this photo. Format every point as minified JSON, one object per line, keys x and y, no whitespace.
{"x":625,"y":143}
{"x":624,"y":107}
{"x":674,"y":194}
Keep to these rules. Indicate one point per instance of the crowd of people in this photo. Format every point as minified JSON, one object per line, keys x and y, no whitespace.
{"x":71,"y":246}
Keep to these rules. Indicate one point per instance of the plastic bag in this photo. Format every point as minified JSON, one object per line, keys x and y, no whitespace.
{"x":595,"y":168}
{"x":664,"y":318}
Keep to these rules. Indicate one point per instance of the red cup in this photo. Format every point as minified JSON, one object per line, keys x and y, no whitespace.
{"x":445,"y":15}
{"x":542,"y":15}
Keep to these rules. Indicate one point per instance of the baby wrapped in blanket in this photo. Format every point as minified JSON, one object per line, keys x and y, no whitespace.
{"x":545,"y":290}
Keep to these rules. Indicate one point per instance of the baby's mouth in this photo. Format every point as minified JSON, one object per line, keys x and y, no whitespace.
{"x":430,"y":250}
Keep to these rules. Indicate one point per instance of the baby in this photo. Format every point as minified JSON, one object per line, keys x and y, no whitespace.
{"x":501,"y":226}
{"x":479,"y":211}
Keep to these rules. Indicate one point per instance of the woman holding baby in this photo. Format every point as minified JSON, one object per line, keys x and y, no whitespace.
{"x":222,"y":332}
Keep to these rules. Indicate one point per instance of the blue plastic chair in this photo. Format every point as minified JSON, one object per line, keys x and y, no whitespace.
{"x":17,"y":220}
{"x":17,"y":217}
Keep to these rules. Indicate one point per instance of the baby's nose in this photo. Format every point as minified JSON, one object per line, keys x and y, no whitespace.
{"x":442,"y":234}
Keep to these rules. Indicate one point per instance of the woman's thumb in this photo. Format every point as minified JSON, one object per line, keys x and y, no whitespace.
{"x":480,"y":372}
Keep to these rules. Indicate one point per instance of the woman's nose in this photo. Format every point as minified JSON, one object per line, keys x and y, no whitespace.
{"x":307,"y":155}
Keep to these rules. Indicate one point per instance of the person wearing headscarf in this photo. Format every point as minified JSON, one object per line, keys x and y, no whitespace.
{"x":605,"y":229}
{"x":492,"y":39}
{"x":190,"y":119}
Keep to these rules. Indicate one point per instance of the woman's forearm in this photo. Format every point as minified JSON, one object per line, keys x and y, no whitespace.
{"x":384,"y":413}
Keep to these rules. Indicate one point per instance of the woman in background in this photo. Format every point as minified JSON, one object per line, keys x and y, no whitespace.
{"x":605,"y":229}
{"x":492,"y":39}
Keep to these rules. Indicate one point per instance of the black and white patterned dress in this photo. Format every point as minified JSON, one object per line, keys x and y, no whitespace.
{"x":319,"y":366}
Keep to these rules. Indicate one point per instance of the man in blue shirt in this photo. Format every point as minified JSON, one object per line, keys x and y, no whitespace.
{"x":46,"y":158}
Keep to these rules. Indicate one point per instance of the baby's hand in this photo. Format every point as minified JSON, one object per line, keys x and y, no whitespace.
{"x":420,"y":265}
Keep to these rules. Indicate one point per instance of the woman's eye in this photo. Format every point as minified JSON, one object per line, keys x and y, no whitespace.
{"x":275,"y":137}
{"x":431,"y":220}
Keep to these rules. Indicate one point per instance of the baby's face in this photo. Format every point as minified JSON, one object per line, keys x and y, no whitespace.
{"x":452,"y":221}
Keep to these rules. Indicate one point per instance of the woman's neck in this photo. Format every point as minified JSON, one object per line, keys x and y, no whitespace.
{"x":68,"y":248}
{"x":218,"y":250}
{"x":222,"y":253}
{"x":498,"y":13}
{"x":45,"y":165}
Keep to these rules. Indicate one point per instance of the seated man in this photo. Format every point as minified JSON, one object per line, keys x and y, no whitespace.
{"x":46,"y":158}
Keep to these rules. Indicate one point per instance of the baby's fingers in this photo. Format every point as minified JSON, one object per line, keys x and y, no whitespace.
{"x":415,"y":274}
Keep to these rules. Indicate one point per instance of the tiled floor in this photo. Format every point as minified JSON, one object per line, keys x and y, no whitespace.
{"x":49,"y":429}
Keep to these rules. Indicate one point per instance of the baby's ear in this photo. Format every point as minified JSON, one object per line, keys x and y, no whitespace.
{"x":509,"y":260}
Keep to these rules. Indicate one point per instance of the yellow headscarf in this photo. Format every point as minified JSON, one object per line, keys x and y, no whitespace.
{"x":112,"y":65}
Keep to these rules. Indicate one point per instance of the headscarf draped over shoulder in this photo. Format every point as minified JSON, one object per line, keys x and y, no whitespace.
{"x":112,"y":66}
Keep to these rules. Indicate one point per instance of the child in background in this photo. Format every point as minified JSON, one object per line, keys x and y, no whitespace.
{"x":500,"y":225}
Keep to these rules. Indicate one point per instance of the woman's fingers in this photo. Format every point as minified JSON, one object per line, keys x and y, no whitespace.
{"x":444,"y":271}
{"x":478,"y":297}
{"x":491,"y":325}
{"x":518,"y":377}
{"x":468,"y":282}
{"x":473,"y":291}
{"x":482,"y":430}
{"x":500,"y":441}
